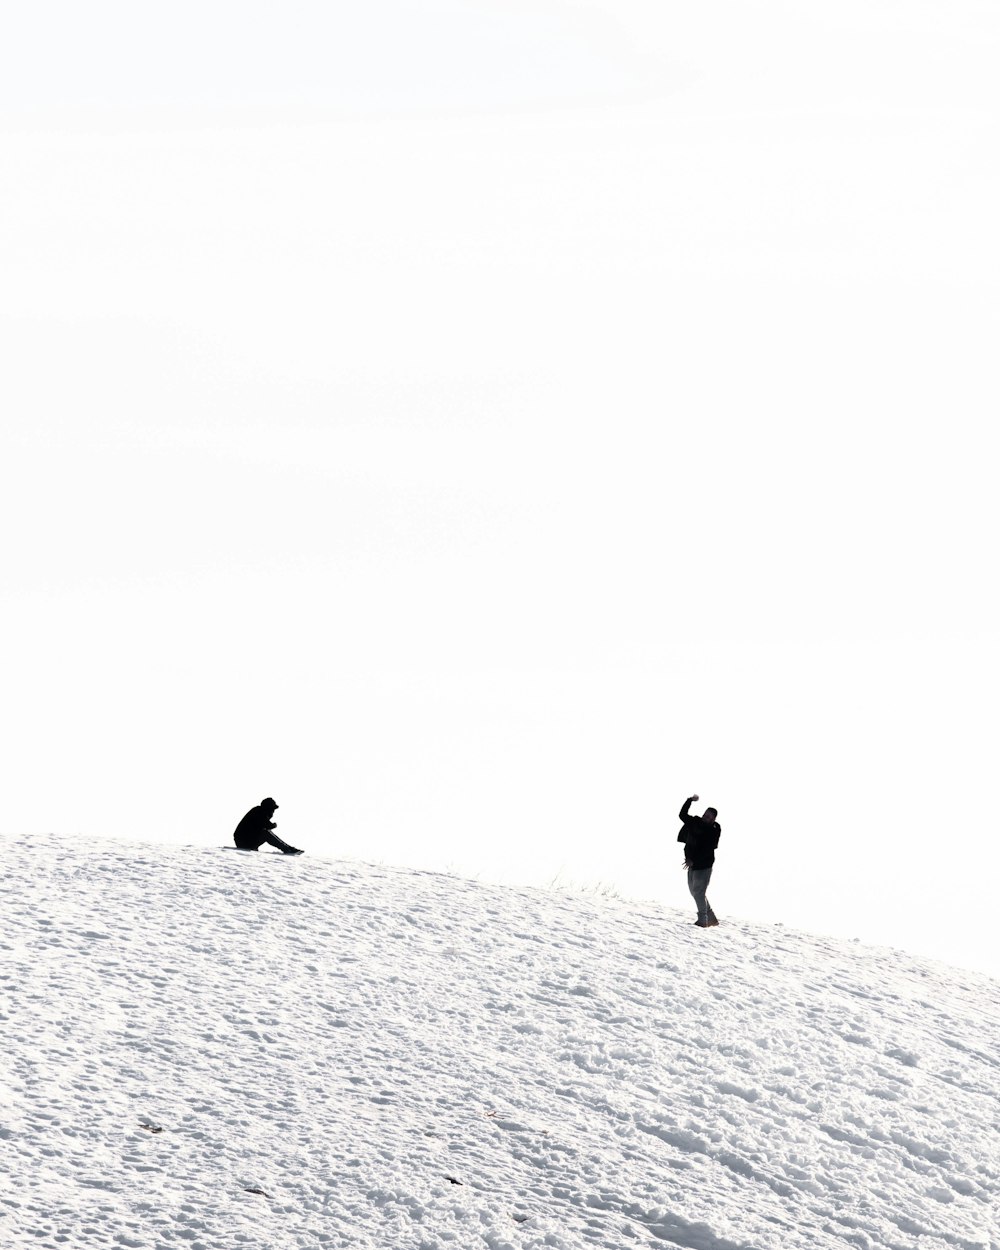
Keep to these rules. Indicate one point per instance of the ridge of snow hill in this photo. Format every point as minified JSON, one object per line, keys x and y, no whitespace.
{"x":226,"y":1051}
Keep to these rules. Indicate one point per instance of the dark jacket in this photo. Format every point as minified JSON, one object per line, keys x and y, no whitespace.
{"x":700,"y":838}
{"x":253,"y":829}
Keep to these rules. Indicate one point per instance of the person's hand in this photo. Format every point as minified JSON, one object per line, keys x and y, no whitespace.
{"x":694,"y":798}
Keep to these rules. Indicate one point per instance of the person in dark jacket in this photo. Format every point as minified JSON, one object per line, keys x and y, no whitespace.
{"x":257,"y":827}
{"x":700,"y":835}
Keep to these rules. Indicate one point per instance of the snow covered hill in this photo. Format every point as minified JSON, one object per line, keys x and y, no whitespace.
{"x":215,"y":1050}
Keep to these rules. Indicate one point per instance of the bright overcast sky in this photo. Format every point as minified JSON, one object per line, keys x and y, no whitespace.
{"x":482,"y":424}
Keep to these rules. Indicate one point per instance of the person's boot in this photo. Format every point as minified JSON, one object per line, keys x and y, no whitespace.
{"x":291,"y":850}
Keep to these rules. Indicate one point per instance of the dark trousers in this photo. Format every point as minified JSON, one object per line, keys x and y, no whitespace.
{"x":253,"y":842}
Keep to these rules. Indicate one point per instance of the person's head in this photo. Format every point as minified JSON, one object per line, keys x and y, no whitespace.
{"x":709,"y":814}
{"x":269,"y":805}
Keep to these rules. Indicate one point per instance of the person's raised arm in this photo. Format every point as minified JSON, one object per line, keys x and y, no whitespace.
{"x":687,"y":804}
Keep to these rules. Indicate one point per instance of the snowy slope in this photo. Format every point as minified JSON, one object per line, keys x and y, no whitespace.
{"x":403,"y":1059}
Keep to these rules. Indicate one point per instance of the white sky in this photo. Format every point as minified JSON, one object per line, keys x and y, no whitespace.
{"x":480,"y":425}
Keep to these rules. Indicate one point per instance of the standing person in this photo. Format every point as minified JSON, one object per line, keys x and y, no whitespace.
{"x":700,"y":835}
{"x":257,"y":827}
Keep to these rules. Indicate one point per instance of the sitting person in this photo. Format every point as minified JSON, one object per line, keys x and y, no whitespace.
{"x":257,"y":827}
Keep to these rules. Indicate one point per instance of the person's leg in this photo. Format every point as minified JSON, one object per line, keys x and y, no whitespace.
{"x":710,"y":917}
{"x":696,"y":885}
{"x":698,"y":879}
{"x":272,"y":839}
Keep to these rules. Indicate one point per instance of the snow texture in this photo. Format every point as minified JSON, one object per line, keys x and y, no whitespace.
{"x":211,"y":1049}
